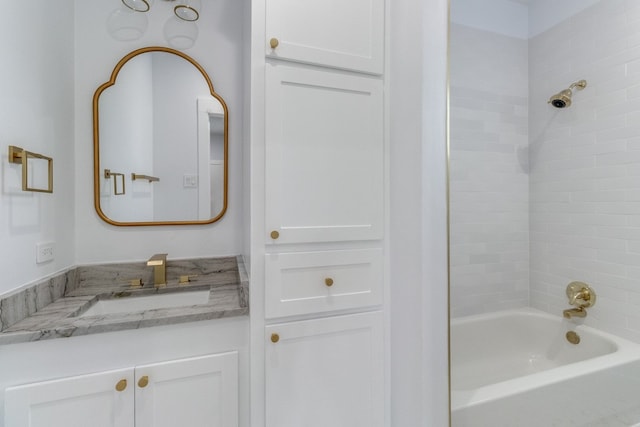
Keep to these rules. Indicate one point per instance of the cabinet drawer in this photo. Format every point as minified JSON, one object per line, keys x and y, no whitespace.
{"x":312,"y":282}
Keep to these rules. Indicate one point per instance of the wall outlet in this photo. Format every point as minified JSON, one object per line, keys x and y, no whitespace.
{"x":45,"y":252}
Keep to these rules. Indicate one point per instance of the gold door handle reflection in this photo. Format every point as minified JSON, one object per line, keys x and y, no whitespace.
{"x":274,"y":43}
{"x":122,"y":385}
{"x":275,"y":338}
{"x":328,"y":281}
{"x":143,"y":382}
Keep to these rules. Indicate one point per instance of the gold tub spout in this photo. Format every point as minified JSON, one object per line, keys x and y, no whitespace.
{"x":574,"y":312}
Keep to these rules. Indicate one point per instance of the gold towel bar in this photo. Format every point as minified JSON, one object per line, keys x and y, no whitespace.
{"x":21,"y":156}
{"x":135,"y":176}
{"x":117,"y":177}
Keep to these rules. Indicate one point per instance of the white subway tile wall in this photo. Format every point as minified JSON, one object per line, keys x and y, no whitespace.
{"x":489,"y":185}
{"x":542,"y":196}
{"x":585,"y":165}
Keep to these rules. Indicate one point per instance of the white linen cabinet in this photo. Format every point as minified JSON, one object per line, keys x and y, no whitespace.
{"x":323,"y":242}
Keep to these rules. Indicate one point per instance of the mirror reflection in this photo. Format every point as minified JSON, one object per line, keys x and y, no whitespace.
{"x":160,"y":140}
{"x":544,"y":213}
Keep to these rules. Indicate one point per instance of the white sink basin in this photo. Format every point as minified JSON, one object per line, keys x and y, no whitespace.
{"x":151,"y":302}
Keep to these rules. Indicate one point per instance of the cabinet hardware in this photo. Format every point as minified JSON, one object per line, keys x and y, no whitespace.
{"x":274,"y":43}
{"x":275,"y":234}
{"x":143,"y":382}
{"x":328,"y":281}
{"x":275,"y":338}
{"x":122,"y":385}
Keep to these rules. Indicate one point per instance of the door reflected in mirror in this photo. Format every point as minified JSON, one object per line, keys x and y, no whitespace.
{"x":160,"y":142}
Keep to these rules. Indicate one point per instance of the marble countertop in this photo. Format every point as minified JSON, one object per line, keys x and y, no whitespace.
{"x":225,"y":279}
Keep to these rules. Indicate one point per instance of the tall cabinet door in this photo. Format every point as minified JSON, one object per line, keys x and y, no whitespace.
{"x":335,"y":33}
{"x":103,"y":399}
{"x":194,"y":392}
{"x":324,"y":156}
{"x":326,"y":372}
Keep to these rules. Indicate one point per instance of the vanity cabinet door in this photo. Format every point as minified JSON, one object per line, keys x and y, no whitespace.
{"x":324,"y":156}
{"x":195,"y":392}
{"x":103,"y":399}
{"x":341,"y":34}
{"x":326,"y":372}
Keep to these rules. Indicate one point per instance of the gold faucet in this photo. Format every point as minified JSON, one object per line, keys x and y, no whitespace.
{"x":159,"y":264}
{"x":574,"y":312}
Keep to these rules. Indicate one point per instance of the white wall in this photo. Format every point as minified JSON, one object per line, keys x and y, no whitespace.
{"x":585,"y":165}
{"x":36,"y":113}
{"x":545,"y":14}
{"x":418,"y":224}
{"x":499,"y":16}
{"x":489,"y":185}
{"x":219,"y":50}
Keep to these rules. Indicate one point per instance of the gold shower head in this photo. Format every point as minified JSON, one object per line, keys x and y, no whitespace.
{"x":562,"y":99}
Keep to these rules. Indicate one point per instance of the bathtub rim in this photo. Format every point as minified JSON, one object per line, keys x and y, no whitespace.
{"x":626,"y":352}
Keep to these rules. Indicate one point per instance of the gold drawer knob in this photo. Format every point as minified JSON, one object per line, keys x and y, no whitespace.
{"x":274,"y":43}
{"x":274,"y":234}
{"x":122,"y":385}
{"x":275,"y":338}
{"x":143,"y":382}
{"x":328,"y":281}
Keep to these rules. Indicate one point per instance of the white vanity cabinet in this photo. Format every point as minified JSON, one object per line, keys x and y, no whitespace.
{"x":326,"y":372}
{"x":73,"y":402}
{"x":195,"y":392}
{"x":199,"y":391}
{"x":339,"y":34}
{"x":324,"y":156}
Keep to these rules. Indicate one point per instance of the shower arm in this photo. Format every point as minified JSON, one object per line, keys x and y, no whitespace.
{"x":580,"y":84}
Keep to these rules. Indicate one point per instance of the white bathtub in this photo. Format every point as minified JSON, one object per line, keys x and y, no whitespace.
{"x":506,"y":363}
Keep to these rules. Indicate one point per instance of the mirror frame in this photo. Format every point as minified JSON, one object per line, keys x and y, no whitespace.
{"x":96,"y":139}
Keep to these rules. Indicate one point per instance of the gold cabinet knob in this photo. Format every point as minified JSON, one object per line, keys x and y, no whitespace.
{"x":122,"y":385}
{"x":275,"y":338}
{"x":274,"y":234}
{"x":274,"y":43}
{"x":143,"y":382}
{"x":328,"y":281}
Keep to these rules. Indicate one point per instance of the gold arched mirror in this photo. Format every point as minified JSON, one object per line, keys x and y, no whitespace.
{"x":160,"y":135}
